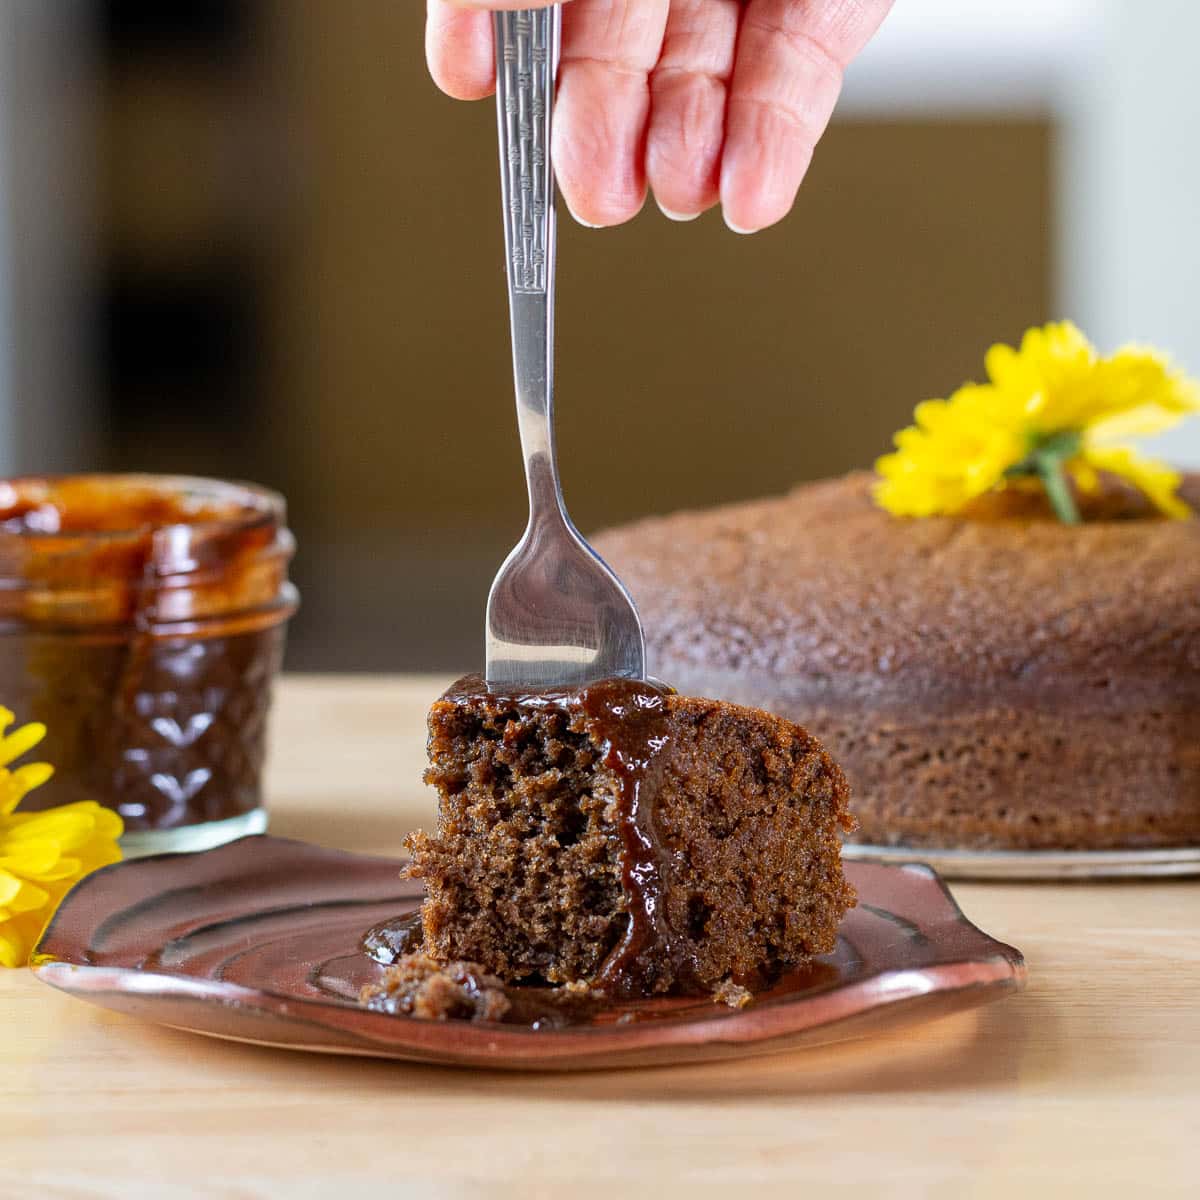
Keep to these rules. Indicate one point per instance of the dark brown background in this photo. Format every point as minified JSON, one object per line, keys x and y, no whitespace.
{"x":339,"y":218}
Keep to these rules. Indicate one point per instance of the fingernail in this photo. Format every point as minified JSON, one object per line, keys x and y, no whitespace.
{"x":675,"y":216}
{"x":579,"y":220}
{"x":738,"y":229}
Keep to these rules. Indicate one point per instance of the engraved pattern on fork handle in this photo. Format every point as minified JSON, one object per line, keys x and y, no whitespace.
{"x":527,"y":48}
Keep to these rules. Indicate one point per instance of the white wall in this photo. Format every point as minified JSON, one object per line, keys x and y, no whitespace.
{"x":1121,"y":80}
{"x":953,"y":57}
{"x":1130,"y":185}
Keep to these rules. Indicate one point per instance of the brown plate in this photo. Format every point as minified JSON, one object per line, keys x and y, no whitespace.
{"x":257,"y":941}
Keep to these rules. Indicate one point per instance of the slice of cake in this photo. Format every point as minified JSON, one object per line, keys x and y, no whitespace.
{"x":629,"y":838}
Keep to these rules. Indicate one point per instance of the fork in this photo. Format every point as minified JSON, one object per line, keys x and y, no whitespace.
{"x":556,"y":614}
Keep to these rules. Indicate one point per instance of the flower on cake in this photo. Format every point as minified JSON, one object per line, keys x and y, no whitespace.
{"x":41,"y":853}
{"x":1053,"y":411}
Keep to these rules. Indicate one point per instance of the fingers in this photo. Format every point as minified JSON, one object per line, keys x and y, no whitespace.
{"x":603,"y":106}
{"x":652,"y":91}
{"x":460,"y":50}
{"x":493,"y":5}
{"x":786,"y":80}
{"x":687,"y":105}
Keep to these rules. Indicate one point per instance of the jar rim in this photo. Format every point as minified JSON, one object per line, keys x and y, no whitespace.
{"x":95,"y":551}
{"x":249,"y":505}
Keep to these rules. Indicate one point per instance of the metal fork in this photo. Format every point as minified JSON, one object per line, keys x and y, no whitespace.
{"x":556,"y":613}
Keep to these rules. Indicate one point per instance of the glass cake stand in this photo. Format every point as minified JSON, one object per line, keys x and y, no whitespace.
{"x":1037,"y":864}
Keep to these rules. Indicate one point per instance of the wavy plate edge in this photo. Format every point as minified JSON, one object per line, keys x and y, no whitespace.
{"x":840,"y":1014}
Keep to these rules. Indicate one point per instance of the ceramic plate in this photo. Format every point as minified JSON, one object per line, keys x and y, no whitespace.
{"x":257,"y":941}
{"x":1038,"y":864}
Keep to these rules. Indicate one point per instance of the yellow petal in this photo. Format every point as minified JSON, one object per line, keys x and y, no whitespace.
{"x":99,"y":853}
{"x":104,"y":822}
{"x":29,"y":898}
{"x":66,"y":870}
{"x":16,"y":785}
{"x":10,"y":885}
{"x":69,"y":829}
{"x":30,"y":859}
{"x":1158,"y":482}
{"x":18,"y":937}
{"x":14,"y":744}
{"x":9,"y":799}
{"x":108,"y":824}
{"x":1134,"y":391}
{"x":1049,"y":362}
{"x":13,"y":950}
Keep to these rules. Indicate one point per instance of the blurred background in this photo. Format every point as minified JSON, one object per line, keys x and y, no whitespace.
{"x":248,"y":238}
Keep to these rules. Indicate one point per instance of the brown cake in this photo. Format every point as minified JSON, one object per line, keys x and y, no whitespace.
{"x":629,"y":838}
{"x":995,"y":679}
{"x":419,"y":986}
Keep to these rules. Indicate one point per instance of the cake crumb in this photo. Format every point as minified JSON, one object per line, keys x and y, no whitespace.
{"x":418,"y":986}
{"x":732,"y":994}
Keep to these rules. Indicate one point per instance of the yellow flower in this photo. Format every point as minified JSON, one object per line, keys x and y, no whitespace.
{"x":1053,"y":406}
{"x":42,"y":853}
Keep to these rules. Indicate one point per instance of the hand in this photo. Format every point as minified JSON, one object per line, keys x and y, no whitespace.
{"x":700,"y":100}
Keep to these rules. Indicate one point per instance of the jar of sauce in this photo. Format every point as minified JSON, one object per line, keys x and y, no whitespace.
{"x":142,"y":620}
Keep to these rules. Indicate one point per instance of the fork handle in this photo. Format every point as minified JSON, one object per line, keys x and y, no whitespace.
{"x":527,"y":54}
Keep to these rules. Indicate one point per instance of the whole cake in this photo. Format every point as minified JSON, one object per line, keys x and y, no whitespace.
{"x":622,"y":837}
{"x":993,"y":679}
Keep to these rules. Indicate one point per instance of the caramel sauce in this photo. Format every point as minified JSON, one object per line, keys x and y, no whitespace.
{"x":103,"y":504}
{"x":141,"y":619}
{"x":626,"y":718}
{"x":392,"y":940}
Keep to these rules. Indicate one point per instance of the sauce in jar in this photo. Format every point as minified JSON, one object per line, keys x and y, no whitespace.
{"x":142,"y":620}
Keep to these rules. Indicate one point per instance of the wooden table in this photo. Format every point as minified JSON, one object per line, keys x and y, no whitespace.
{"x":1087,"y":1082}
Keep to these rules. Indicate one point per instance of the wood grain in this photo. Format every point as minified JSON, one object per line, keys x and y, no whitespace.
{"x":1089,"y":1082}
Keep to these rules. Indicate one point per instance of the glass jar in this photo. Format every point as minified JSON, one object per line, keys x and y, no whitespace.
{"x":142,"y":620}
